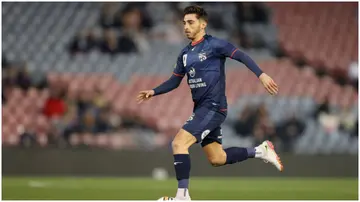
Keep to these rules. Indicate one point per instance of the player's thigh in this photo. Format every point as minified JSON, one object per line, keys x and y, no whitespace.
{"x":214,"y":136}
{"x":182,"y":141}
{"x":203,"y":122}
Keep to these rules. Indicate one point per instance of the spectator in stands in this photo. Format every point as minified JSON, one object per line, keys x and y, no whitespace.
{"x":103,"y":122}
{"x":88,"y":122}
{"x":27,"y":137}
{"x":267,"y":126}
{"x":10,"y":76}
{"x":240,"y":38}
{"x":133,"y":28}
{"x":259,"y":135}
{"x":110,"y":42}
{"x":95,"y":122}
{"x":107,"y":15}
{"x":99,"y":101}
{"x":289,"y":130}
{"x":171,"y":30}
{"x":83,"y":103}
{"x":55,"y":106}
{"x":245,"y":124}
{"x":142,"y":15}
{"x":347,"y":120}
{"x":322,"y":108}
{"x":248,"y":12}
{"x":130,"y":122}
{"x":68,"y":124}
{"x":84,"y":42}
{"x":23,"y":79}
{"x":113,"y":45}
{"x":264,"y":128}
{"x":328,"y":120}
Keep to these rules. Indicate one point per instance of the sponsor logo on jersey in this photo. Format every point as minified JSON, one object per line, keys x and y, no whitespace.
{"x":192,"y":72}
{"x":204,"y":134}
{"x":202,"y":56}
{"x":190,"y":118}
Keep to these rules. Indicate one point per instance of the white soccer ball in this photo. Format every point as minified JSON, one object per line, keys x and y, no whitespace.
{"x":166,"y":198}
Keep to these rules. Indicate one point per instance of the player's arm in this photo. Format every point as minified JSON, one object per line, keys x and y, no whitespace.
{"x":175,"y":79}
{"x":172,"y":83}
{"x":169,"y":85}
{"x":226,"y":49}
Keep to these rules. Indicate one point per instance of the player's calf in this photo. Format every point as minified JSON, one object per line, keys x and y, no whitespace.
{"x":180,"y":145}
{"x":217,"y":156}
{"x":218,"y":160}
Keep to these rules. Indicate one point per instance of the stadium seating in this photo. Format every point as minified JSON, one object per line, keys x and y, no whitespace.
{"x":324,"y":35}
{"x":120,"y":78}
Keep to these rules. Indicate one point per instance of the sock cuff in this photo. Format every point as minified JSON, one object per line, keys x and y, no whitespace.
{"x":181,"y":157}
{"x":251,"y":152}
{"x":183,"y":183}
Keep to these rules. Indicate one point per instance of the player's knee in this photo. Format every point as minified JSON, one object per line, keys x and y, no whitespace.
{"x":178,"y":146}
{"x":217,"y":160}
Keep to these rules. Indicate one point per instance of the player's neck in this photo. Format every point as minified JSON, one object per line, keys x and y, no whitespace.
{"x":198,"y":39}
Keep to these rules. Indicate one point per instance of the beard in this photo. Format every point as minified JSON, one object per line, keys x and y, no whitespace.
{"x":192,"y":35}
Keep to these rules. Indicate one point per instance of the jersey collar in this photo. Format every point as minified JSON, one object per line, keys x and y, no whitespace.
{"x":197,"y":42}
{"x":201,"y":40}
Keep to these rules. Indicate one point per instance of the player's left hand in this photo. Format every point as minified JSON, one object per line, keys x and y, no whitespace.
{"x":269,"y":84}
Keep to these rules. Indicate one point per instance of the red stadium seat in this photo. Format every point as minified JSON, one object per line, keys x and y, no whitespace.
{"x":318,"y":40}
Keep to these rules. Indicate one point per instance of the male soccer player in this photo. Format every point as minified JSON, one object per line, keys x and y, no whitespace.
{"x":203,"y":63}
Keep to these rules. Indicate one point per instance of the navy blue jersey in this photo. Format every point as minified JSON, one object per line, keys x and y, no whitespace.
{"x":204,"y":64}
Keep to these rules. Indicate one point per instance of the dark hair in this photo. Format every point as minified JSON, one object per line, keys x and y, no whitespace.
{"x":199,"y":11}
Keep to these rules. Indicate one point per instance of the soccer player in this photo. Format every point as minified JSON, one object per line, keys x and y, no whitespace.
{"x":203,"y":62}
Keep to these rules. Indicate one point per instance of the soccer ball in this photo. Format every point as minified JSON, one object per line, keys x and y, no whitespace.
{"x":166,"y":198}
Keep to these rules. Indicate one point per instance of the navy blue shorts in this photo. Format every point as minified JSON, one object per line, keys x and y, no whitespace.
{"x":205,"y":124}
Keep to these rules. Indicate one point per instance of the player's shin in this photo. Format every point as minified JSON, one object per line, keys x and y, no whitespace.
{"x":238,"y":154}
{"x":182,"y":169}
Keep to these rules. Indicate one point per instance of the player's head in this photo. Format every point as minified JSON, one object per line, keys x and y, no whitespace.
{"x":195,"y":21}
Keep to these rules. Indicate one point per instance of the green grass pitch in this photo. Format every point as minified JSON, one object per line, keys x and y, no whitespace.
{"x":238,"y":188}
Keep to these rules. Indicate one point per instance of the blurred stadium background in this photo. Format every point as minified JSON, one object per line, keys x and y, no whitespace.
{"x":71,"y":71}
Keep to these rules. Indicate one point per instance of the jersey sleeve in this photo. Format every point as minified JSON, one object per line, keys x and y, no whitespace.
{"x":179,"y":69}
{"x":226,"y":49}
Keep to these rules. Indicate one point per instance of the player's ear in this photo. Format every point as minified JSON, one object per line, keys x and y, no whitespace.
{"x":203,"y":23}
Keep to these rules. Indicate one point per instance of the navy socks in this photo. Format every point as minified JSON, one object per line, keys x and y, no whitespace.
{"x":238,"y":154}
{"x":182,"y":169}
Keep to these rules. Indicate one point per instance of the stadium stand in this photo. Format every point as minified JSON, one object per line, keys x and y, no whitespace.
{"x":43,"y":32}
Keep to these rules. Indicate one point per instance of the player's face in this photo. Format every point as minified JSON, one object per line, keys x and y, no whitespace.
{"x":192,"y":26}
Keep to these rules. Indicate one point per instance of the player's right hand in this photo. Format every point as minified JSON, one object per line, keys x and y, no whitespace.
{"x":144,"y":95}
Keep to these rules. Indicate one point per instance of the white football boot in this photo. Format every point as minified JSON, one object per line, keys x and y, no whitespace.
{"x":269,"y":155}
{"x":166,"y":198}
{"x":183,"y":199}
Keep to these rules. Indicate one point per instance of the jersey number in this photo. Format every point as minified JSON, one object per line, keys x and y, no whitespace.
{"x":184,"y":59}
